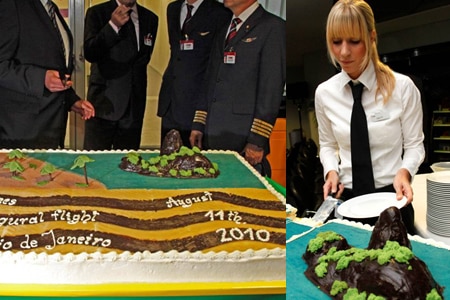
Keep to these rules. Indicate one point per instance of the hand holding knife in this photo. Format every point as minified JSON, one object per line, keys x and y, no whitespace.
{"x":64,"y":78}
{"x":57,"y":81}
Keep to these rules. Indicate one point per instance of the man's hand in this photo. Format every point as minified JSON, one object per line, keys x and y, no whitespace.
{"x":54,"y":83}
{"x":196,"y":138}
{"x":84,"y":108}
{"x":120,"y":15}
{"x":253,"y":154}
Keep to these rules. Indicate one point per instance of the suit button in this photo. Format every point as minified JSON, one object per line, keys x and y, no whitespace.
{"x":214,"y":100}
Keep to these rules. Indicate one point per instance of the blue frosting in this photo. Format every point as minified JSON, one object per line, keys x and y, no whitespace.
{"x":106,"y":169}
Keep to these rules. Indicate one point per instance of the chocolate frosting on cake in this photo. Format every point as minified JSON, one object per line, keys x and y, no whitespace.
{"x":176,"y":161}
{"x":387,"y":268}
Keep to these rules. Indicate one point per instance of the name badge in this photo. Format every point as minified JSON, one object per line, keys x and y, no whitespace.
{"x":186,"y":44}
{"x":148,"y":40}
{"x":229,"y":57}
{"x":380,"y":115}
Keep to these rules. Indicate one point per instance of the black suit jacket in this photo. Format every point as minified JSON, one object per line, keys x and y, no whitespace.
{"x":118,"y":78}
{"x":242,"y":100}
{"x":186,"y":69}
{"x":30,"y":115}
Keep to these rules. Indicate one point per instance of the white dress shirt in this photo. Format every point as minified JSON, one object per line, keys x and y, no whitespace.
{"x":395,"y":128}
{"x":183,"y":12}
{"x":244,"y":16}
{"x":62,"y":30}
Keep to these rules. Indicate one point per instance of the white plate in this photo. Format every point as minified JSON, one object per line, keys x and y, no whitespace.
{"x":370,"y":205}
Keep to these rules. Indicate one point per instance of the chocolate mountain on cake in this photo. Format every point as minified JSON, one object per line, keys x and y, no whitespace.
{"x":387,"y":268}
{"x":175,"y":160}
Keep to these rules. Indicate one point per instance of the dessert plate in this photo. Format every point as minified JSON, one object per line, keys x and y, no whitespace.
{"x":370,"y":205}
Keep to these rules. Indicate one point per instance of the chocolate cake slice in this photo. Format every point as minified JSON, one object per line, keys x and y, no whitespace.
{"x":386,"y":268}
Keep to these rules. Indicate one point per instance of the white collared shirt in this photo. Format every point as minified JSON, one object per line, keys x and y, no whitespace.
{"x":395,"y":128}
{"x":64,"y":34}
{"x":183,"y":12}
{"x":244,"y":16}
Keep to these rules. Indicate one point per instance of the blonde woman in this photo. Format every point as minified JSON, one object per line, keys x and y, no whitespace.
{"x":392,"y":108}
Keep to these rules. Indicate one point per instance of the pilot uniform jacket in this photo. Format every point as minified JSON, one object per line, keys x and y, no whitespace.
{"x":118,"y":78}
{"x":186,"y":69}
{"x":30,"y":115}
{"x":241,"y":101}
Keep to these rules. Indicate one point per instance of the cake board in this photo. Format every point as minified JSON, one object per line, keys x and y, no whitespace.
{"x":241,"y":289}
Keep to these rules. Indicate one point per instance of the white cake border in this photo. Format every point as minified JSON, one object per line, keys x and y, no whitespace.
{"x":158,"y":267}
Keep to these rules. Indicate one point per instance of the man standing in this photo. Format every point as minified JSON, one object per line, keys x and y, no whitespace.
{"x":192,"y":26}
{"x":246,"y":77}
{"x":119,"y":39}
{"x":36,"y":63}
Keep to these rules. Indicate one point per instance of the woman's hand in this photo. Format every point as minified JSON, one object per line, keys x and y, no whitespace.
{"x":332,"y":185}
{"x":402,"y":185}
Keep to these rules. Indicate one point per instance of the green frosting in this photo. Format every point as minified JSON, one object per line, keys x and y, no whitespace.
{"x":186,"y":173}
{"x":392,"y":250}
{"x":321,"y":269}
{"x":433,"y":295}
{"x":337,"y":287}
{"x":200,"y":171}
{"x":353,"y":294}
{"x":327,"y":236}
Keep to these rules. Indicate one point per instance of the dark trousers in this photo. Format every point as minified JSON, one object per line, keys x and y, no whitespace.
{"x":407,"y":211}
{"x":101,"y":134}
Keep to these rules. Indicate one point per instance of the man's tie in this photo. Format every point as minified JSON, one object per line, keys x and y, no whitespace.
{"x":362,"y":172}
{"x":131,"y":25}
{"x":233,"y":29}
{"x":51,"y":7}
{"x":188,"y":18}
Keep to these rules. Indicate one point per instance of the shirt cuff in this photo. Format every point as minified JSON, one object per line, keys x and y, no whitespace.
{"x":116,"y":29}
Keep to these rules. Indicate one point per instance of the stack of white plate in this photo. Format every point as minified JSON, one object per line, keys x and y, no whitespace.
{"x":438,"y":203}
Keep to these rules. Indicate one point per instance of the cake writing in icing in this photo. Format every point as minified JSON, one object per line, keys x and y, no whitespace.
{"x":79,"y":224}
{"x":387,"y":269}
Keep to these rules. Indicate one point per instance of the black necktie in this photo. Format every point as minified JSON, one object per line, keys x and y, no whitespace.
{"x":362,"y":172}
{"x":184,"y":28}
{"x":51,"y":7}
{"x":233,"y":29}
{"x":130,"y":30}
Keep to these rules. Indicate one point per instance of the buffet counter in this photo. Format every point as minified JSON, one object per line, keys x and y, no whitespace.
{"x":419,"y":186}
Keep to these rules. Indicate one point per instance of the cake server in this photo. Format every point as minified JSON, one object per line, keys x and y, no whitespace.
{"x":325,"y":209}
